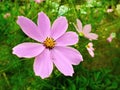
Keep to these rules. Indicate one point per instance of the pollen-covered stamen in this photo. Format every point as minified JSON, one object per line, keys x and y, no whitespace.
{"x":49,"y":43}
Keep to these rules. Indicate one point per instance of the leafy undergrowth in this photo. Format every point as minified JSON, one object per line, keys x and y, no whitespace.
{"x":99,"y":73}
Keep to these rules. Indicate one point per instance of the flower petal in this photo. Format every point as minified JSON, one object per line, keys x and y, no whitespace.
{"x":79,"y":25}
{"x":73,"y":56}
{"x":91,"y":36}
{"x":59,"y":27}
{"x":109,"y":39}
{"x":87,"y":29}
{"x":90,"y":45}
{"x":43,"y":65}
{"x":62,"y":63}
{"x":29,"y":28}
{"x":28,"y":50}
{"x":69,"y":38}
{"x":90,"y":51}
{"x":44,"y":24}
{"x":38,"y":1}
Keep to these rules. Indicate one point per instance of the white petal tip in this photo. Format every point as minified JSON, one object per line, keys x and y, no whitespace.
{"x":42,"y":77}
{"x":42,"y":13}
{"x":81,"y":60}
{"x":20,"y":17}
{"x":70,"y":75}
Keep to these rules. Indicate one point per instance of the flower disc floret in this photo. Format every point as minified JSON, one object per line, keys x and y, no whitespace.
{"x":49,"y":43}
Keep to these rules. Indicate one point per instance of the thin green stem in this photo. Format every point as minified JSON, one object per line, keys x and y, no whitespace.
{"x":6,"y":79}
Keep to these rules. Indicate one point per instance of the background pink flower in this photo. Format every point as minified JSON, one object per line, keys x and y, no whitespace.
{"x":39,"y":1}
{"x":110,"y":38}
{"x":90,"y":49}
{"x":52,"y":47}
{"x":85,"y":31}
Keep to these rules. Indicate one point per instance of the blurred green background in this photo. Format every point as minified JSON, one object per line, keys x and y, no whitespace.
{"x":99,"y":73}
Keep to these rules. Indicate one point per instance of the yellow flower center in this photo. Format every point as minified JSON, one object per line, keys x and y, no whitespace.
{"x":88,"y":46}
{"x":81,"y":34}
{"x":49,"y":43}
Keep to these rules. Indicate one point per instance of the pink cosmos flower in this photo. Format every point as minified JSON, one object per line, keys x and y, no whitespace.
{"x":39,"y":1}
{"x":85,"y":31}
{"x":52,"y":47}
{"x":90,"y":49}
{"x":110,"y":38}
